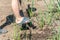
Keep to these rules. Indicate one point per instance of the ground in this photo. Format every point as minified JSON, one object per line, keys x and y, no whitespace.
{"x":34,"y":34}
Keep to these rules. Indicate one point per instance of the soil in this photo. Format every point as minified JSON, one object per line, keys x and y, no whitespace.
{"x":33,"y":34}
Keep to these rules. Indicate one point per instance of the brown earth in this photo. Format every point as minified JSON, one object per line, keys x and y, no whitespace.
{"x":5,"y":10}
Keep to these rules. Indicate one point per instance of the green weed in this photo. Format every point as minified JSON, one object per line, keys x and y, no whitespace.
{"x":16,"y":32}
{"x":57,"y":35}
{"x":30,"y":10}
